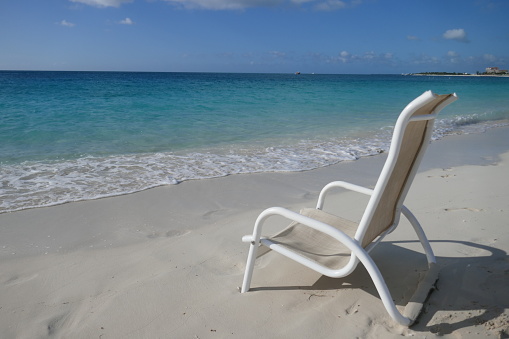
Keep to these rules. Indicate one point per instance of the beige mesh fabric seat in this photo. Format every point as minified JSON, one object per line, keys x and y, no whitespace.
{"x":334,"y":246}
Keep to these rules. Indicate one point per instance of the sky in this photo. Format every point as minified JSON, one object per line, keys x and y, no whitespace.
{"x":263,"y":36}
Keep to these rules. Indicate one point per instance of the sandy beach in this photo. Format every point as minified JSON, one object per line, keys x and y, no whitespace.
{"x":167,"y":262}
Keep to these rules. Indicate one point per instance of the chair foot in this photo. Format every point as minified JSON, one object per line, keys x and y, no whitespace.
{"x":421,"y":294}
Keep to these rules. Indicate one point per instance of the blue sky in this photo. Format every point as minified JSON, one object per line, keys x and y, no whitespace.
{"x":320,"y":36}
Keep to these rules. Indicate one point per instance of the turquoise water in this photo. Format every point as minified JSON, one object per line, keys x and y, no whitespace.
{"x":69,"y":136}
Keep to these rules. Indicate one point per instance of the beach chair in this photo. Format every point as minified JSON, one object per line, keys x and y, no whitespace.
{"x":333,"y":246}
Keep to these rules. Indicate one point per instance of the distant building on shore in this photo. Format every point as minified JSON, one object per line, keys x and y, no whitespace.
{"x":495,"y":70}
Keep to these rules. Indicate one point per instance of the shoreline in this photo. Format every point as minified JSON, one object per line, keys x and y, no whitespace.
{"x":163,"y":173}
{"x":462,"y":75}
{"x":166,"y":262}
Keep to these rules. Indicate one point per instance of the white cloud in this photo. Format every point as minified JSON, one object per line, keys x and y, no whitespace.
{"x":224,"y":4}
{"x":412,"y":37}
{"x":331,"y":5}
{"x":453,"y":57}
{"x":103,"y":3}
{"x":388,"y":56}
{"x":277,"y":54}
{"x":344,"y":56}
{"x":66,"y":23}
{"x":324,"y":5}
{"x":370,"y":57}
{"x":424,"y":59}
{"x":457,"y":34}
{"x":126,"y":21}
{"x":489,"y":57}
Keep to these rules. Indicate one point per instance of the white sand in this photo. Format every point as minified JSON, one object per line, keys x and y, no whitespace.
{"x":166,"y":262}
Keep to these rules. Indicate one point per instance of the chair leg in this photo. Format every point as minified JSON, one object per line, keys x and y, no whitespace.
{"x":423,"y":290}
{"x":248,"y":274}
{"x":428,"y":283}
{"x":420,"y":234}
{"x":382,"y":288}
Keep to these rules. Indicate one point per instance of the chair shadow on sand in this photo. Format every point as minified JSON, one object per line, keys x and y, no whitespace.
{"x":471,"y":290}
{"x":474,"y":286}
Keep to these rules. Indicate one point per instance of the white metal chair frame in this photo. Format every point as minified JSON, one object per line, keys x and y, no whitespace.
{"x":358,"y":252}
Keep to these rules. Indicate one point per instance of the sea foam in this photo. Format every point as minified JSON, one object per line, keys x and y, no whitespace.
{"x":42,"y":183}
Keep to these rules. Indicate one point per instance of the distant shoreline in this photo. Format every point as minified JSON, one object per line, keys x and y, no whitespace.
{"x":460,"y":75}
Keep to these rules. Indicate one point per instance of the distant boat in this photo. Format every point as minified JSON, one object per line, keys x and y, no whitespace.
{"x":297,"y":72}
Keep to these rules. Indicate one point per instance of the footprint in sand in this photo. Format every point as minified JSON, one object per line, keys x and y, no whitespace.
{"x":17,"y":280}
{"x":168,"y":234}
{"x":177,"y":233}
{"x":463,"y":209}
{"x":214,"y":213}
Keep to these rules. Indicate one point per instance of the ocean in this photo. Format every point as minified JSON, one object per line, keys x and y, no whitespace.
{"x":71,"y":136}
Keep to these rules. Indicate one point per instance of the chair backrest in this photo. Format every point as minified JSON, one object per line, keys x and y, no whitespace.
{"x":412,"y":134}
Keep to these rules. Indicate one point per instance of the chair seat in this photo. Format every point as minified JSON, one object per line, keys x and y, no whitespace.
{"x":314,"y":244}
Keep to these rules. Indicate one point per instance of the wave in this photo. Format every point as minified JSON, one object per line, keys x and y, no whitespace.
{"x":37,"y":184}
{"x":468,"y":124}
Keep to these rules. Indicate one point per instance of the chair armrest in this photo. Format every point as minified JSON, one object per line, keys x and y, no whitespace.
{"x":341,"y":184}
